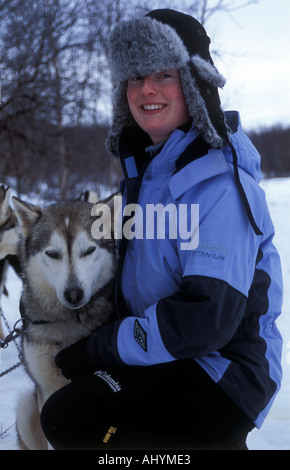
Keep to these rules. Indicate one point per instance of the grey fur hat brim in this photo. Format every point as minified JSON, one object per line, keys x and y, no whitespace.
{"x":144,"y":45}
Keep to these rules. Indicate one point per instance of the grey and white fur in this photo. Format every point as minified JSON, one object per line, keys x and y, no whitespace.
{"x":68,"y":292}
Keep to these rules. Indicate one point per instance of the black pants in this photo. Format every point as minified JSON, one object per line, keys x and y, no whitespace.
{"x":167,"y":406}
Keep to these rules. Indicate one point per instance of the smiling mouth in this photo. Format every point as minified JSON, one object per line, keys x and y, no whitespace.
{"x":153,"y":107}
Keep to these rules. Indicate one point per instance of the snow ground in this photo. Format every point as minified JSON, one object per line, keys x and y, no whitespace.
{"x":275,"y":433}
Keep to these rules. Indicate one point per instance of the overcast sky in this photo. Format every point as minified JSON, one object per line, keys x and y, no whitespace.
{"x":255,"y":62}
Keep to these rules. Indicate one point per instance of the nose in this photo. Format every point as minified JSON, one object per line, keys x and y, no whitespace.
{"x":74,"y":295}
{"x":149,"y":86}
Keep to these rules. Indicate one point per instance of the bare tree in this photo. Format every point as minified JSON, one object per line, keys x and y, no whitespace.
{"x":45,"y":71}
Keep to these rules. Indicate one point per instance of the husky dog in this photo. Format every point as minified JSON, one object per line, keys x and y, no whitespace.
{"x":9,"y":233}
{"x":68,"y":292}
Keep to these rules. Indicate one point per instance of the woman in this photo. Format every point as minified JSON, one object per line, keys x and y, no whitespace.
{"x":198,"y":312}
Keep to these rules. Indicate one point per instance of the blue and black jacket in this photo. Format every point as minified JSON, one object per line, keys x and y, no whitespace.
{"x":216,"y":303}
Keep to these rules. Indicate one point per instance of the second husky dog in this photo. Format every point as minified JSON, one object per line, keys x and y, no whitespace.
{"x":68,"y":293}
{"x":9,"y":236}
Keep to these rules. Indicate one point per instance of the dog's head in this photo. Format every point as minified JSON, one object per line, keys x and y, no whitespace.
{"x":60,"y":255}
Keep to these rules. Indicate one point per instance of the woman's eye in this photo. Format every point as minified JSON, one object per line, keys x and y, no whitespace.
{"x":136,"y":79}
{"x":165,"y":75}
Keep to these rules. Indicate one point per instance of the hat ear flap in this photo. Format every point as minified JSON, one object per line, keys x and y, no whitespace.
{"x":204,"y":106}
{"x":207,"y":71}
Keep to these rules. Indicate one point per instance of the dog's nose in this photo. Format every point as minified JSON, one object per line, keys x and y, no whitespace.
{"x":74,"y":295}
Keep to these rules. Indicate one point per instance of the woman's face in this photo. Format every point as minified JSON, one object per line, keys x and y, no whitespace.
{"x":157,"y":103}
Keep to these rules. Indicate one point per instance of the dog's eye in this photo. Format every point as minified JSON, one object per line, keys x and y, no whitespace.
{"x":89,"y":251}
{"x":53,"y":254}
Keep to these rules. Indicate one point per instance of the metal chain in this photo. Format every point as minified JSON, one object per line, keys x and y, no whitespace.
{"x":11,"y":369}
{"x":12,"y":336}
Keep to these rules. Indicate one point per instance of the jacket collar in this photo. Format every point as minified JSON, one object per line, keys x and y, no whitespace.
{"x":136,"y":150}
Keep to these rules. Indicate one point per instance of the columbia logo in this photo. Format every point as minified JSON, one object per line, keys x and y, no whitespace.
{"x":115,"y":386}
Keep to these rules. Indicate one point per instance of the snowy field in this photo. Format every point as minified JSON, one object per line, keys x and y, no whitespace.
{"x":275,"y":433}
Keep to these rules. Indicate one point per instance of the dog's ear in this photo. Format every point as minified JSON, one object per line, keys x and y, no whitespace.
{"x":89,"y":196}
{"x":5,"y":209}
{"x":27,"y":214}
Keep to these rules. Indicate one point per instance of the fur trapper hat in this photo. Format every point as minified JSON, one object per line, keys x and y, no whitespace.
{"x":167,"y":39}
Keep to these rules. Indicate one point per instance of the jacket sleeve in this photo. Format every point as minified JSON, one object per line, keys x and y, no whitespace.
{"x":202,"y":317}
